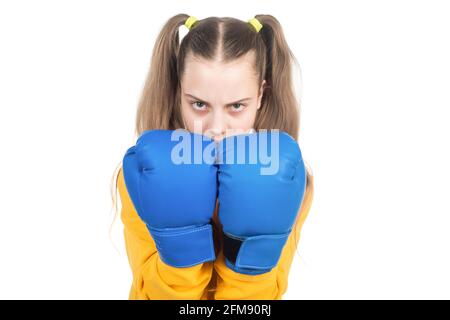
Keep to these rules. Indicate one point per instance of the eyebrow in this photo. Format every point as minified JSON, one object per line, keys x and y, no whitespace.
{"x":194,"y":97}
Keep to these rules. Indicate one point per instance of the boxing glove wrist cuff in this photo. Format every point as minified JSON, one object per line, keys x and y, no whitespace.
{"x":253,"y":255}
{"x":184,"y":247}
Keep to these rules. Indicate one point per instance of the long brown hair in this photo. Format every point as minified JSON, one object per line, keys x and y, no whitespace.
{"x":228,"y":39}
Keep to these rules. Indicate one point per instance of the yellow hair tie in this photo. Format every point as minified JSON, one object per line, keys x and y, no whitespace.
{"x":190,"y":21}
{"x":256,"y":24}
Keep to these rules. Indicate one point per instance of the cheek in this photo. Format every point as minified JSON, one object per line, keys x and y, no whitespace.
{"x":244,"y":121}
{"x":192,"y":120}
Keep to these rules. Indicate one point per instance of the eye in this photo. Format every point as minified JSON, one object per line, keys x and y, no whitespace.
{"x":198,"y":105}
{"x":237,"y":107}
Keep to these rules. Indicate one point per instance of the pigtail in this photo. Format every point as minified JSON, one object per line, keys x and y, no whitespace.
{"x":279,"y":106}
{"x":160,"y":95}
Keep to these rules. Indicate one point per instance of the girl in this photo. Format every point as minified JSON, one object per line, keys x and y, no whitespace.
{"x":225,"y":76}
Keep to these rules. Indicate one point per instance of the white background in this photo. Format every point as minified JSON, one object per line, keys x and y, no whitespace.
{"x":375,"y":80}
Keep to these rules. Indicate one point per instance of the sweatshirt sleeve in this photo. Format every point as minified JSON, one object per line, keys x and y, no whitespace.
{"x":268,"y":286}
{"x":152,"y":278}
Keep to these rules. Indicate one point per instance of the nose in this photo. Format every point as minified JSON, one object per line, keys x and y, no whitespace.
{"x":218,"y":126}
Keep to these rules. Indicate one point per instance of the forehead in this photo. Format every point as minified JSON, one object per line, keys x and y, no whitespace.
{"x":211,"y":76}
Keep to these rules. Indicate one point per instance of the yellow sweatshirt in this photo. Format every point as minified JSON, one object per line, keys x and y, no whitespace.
{"x":154,"y":280}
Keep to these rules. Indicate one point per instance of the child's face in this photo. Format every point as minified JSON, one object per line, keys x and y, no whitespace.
{"x":212,"y":93}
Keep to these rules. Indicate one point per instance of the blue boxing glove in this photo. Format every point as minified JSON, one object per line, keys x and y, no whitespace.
{"x":258,"y":203}
{"x":172,"y":181}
